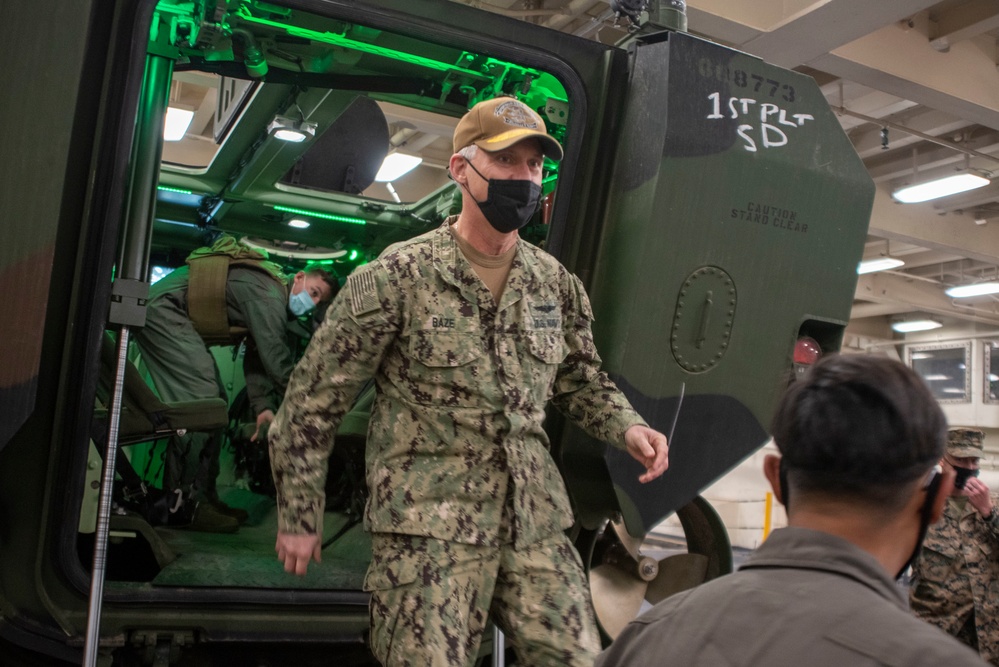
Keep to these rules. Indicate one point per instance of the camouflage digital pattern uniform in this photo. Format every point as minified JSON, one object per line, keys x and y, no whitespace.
{"x":957,"y":575}
{"x":456,"y":429}
{"x":182,"y":368}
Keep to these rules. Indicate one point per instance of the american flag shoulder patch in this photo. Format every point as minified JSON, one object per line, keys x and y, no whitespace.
{"x":363,"y":293}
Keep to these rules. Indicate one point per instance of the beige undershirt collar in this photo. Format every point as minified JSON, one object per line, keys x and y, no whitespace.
{"x":493,"y":270}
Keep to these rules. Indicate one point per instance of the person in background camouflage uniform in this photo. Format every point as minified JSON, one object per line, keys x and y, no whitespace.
{"x":955,"y":582}
{"x":468,"y":331}
{"x":182,"y":369}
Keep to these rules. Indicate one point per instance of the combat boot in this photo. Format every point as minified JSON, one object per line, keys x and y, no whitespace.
{"x":239,"y":514}
{"x":207,"y":519}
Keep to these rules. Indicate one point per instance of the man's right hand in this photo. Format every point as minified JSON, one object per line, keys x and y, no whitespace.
{"x":978,"y":495}
{"x":264,"y":420}
{"x":296,"y":549}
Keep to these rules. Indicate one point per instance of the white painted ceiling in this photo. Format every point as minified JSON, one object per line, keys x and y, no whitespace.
{"x":927,"y":71}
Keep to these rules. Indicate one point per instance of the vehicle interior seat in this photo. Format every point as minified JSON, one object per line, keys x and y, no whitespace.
{"x":144,"y":418}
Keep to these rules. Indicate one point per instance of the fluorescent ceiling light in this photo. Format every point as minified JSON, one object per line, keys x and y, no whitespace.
{"x":942,"y":187}
{"x":395,"y":166}
{"x":978,"y":289}
{"x":292,"y":136}
{"x":915,"y":325}
{"x":298,"y":223}
{"x":176,"y":122}
{"x":879,"y":264}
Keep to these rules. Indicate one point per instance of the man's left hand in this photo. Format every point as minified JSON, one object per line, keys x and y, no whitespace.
{"x":978,"y":495}
{"x":649,"y":448}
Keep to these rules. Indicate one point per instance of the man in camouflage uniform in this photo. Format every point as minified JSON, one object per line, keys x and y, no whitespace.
{"x":182,"y":369}
{"x":956,"y":578}
{"x":468,"y":331}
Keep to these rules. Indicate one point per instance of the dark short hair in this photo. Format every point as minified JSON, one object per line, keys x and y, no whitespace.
{"x":859,"y":426}
{"x":327,"y":276}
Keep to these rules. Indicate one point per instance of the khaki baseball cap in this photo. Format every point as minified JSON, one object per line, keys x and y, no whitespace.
{"x":964,"y":442}
{"x":501,"y":122}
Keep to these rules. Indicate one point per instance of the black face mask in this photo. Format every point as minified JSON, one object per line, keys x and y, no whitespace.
{"x":509,"y":204}
{"x":963,"y":475}
{"x":785,"y":489}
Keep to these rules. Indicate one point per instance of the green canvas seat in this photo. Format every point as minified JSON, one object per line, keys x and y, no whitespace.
{"x":144,"y":416}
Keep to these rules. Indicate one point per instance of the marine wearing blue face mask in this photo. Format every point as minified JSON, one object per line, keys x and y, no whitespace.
{"x":301,"y":303}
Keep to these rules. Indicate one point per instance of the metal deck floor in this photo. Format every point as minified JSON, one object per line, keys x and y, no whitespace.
{"x":247,"y":558}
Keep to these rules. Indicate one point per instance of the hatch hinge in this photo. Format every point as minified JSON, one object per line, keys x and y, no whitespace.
{"x":160,"y":648}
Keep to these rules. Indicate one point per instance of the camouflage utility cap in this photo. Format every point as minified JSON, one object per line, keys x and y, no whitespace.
{"x":965,"y":442}
{"x":501,"y":122}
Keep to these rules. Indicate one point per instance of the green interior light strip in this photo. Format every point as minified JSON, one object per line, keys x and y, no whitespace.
{"x":346,"y":42}
{"x":177,"y":190}
{"x":324,"y":216}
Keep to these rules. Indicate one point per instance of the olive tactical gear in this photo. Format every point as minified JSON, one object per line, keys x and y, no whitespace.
{"x":956,"y":577}
{"x":206,"y":294}
{"x":824,"y":602}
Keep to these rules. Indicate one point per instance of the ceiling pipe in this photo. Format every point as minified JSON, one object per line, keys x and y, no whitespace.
{"x":569,"y":12}
{"x":514,"y":13}
{"x":526,"y":13}
{"x":595,"y":24}
{"x":253,"y":57}
{"x":916,"y":133}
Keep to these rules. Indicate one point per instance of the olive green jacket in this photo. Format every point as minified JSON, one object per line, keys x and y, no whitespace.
{"x":462,"y":386}
{"x":255,"y":302}
{"x":803,"y":598}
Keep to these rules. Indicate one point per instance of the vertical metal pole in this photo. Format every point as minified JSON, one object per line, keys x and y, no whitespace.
{"x":104,"y":507}
{"x":127,"y":306}
{"x":499,"y":647}
{"x":133,"y":258}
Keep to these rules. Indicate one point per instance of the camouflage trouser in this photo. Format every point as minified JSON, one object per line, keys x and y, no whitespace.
{"x":430,"y":600}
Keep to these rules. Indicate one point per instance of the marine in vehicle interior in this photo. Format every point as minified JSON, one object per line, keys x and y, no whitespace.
{"x":227,"y":294}
{"x":707,"y":202}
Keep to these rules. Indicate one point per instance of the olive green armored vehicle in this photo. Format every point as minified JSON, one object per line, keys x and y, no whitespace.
{"x":709,"y":201}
